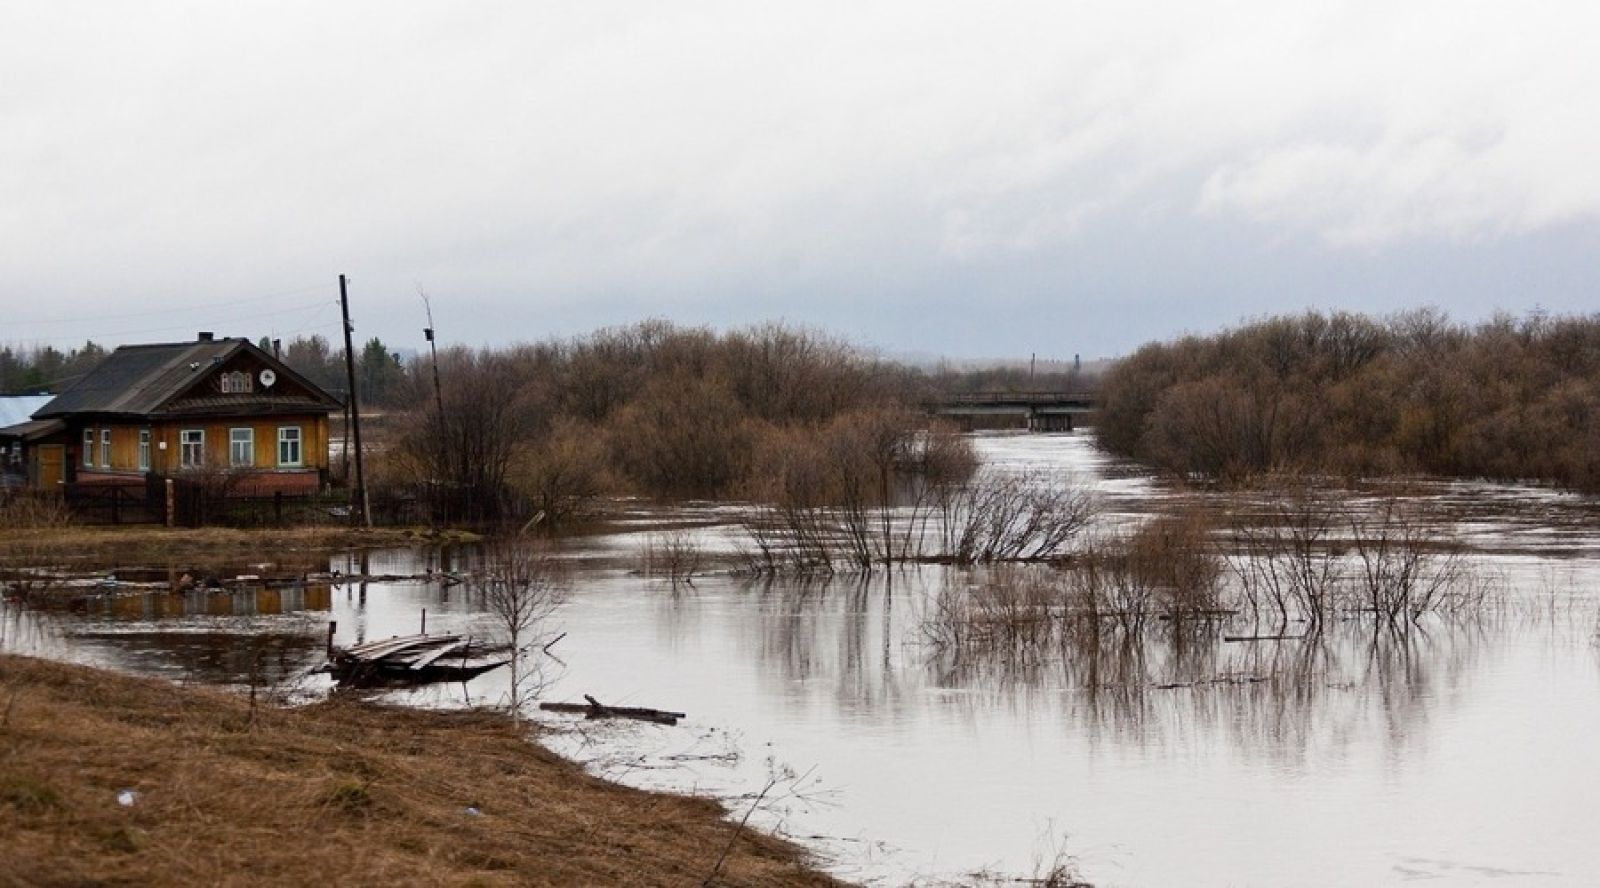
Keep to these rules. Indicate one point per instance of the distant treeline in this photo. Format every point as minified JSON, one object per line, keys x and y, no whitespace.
{"x":43,"y":370}
{"x":651,"y":409}
{"x":1511,"y":398}
{"x":387,"y":381}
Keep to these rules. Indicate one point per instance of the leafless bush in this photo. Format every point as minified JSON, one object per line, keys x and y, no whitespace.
{"x":1011,"y":607}
{"x":27,"y":510}
{"x":1105,"y":584}
{"x":792,"y":528}
{"x":857,"y":493}
{"x":1166,"y":568}
{"x":520,"y":586}
{"x":683,"y":436}
{"x":674,"y":555}
{"x":1285,"y":560}
{"x":561,"y":475}
{"x":1179,"y":555}
{"x":1008,"y":517}
{"x":1401,"y":571}
{"x":463,"y":456}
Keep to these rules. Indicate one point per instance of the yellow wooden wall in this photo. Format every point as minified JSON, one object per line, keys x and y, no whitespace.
{"x":125,"y":443}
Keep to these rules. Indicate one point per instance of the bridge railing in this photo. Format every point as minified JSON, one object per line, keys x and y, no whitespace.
{"x":1029,"y":398}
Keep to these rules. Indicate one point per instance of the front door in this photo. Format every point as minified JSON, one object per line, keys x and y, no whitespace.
{"x":49,"y":461}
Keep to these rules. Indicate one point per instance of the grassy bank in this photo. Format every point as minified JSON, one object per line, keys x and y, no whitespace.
{"x":339,"y":791}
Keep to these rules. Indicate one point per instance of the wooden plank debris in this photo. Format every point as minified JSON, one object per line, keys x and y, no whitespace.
{"x":415,"y":659}
{"x":595,"y":709}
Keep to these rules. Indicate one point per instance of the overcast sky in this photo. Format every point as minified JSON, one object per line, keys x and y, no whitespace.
{"x":968,"y":179}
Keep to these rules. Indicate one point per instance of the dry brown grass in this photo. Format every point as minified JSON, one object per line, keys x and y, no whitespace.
{"x":337,"y":792}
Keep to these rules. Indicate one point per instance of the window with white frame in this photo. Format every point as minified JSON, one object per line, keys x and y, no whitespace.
{"x":241,"y":447}
{"x":289,"y":446}
{"x":88,"y":448}
{"x":144,"y":450}
{"x":105,"y":448}
{"x":192,"y":448}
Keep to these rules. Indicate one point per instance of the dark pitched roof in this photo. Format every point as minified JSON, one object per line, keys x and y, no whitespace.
{"x":32,"y":431}
{"x":138,"y":380}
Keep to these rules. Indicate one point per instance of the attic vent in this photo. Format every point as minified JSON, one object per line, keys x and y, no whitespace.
{"x":236,"y":382}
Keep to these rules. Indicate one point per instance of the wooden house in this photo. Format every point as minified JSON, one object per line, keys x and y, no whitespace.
{"x":211,"y":408}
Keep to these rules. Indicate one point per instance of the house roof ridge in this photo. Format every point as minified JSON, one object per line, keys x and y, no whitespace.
{"x":142,"y":378}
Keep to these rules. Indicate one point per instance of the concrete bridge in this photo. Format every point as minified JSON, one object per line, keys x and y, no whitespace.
{"x":1035,"y":411}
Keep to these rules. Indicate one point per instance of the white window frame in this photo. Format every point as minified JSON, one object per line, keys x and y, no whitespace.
{"x":88,"y":448}
{"x":241,"y":447}
{"x":105,"y":448}
{"x":198,"y":442}
{"x":144,"y":450}
{"x":237,"y":382}
{"x":286,"y":441}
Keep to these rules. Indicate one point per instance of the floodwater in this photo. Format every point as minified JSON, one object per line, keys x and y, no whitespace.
{"x":1463,"y":751}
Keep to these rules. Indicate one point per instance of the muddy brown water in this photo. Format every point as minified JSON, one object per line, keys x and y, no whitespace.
{"x":1463,"y":752}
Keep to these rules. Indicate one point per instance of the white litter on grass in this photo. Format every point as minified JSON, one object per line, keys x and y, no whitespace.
{"x":127,"y":797}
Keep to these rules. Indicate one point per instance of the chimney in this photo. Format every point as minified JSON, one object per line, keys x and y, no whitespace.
{"x":205,"y":336}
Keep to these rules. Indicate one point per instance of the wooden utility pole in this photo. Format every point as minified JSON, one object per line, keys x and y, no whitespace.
{"x":359,"y":500}
{"x":438,"y":392}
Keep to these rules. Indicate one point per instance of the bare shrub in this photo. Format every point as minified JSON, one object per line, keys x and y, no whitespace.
{"x":674,"y":555}
{"x":864,"y":450}
{"x":1011,"y":608}
{"x":791,"y":527}
{"x":1285,"y":561}
{"x":1178,"y":555}
{"x":1168,"y":566}
{"x":520,"y":586}
{"x":1401,"y":571}
{"x":1006,"y":517}
{"x":858,"y":492}
{"x":682,"y":437}
{"x":1105,"y":585}
{"x":462,"y":457}
{"x":26,"y":510}
{"x":563,"y":474}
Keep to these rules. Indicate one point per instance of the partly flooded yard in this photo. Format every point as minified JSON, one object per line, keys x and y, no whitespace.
{"x":1461,"y":749}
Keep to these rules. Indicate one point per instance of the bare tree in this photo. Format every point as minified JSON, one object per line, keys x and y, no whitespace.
{"x":520,"y":586}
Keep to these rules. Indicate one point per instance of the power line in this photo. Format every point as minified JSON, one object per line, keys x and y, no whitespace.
{"x":120,"y":334}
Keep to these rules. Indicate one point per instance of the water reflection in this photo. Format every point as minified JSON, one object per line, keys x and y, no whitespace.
{"x":226,"y":656}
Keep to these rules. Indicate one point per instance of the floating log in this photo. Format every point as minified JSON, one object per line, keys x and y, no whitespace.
{"x":595,"y":709}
